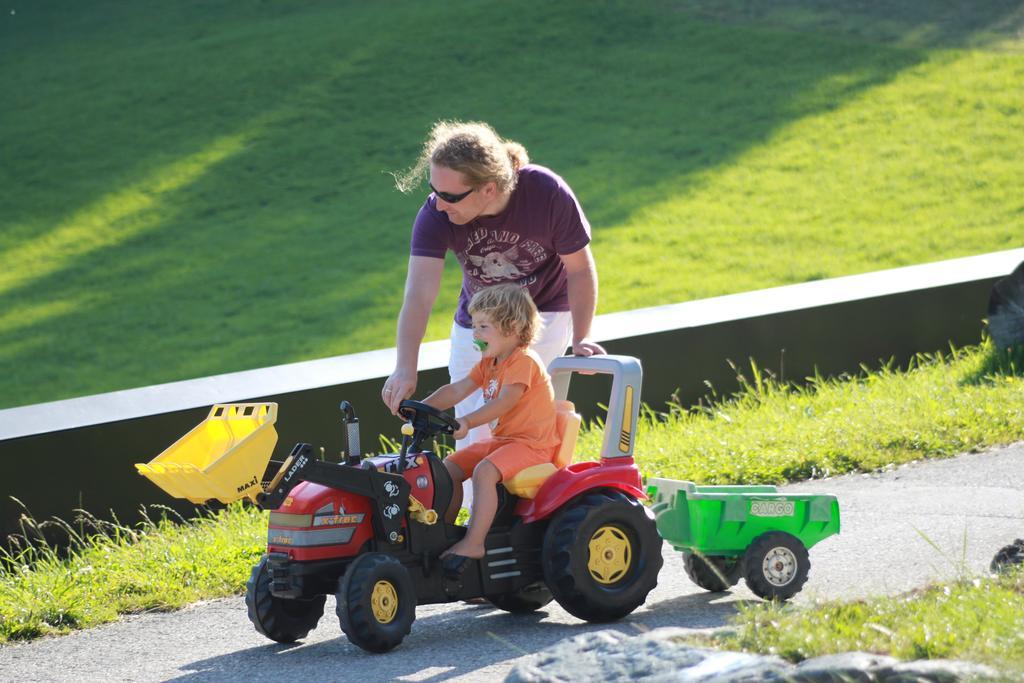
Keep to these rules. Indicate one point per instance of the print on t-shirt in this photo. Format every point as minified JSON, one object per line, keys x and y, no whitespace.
{"x":497,"y":265}
{"x":494,"y":256}
{"x":491,"y":390}
{"x":490,"y":393}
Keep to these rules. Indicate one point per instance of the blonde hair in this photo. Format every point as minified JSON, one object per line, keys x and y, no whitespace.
{"x":473,"y":149}
{"x":510,"y":308}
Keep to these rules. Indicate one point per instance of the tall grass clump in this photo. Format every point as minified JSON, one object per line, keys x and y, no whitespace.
{"x":773,"y":432}
{"x":110,"y":569}
{"x":977,"y":619}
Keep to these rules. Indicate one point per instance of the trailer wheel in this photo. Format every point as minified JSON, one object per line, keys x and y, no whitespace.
{"x":376,"y":602}
{"x":528,"y":599}
{"x":776,"y":566}
{"x":279,"y":619}
{"x":601,"y":556}
{"x":1008,"y":557}
{"x":713,"y":573}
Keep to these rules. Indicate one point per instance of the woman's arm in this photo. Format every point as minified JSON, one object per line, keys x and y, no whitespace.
{"x":581,"y":276}
{"x":422,"y":284}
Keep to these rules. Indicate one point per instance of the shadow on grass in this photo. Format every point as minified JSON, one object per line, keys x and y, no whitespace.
{"x":293,"y":245}
{"x":995,"y":364}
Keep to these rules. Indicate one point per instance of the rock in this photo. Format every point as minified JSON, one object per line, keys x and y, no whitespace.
{"x":652,"y":657}
{"x":937,"y":670}
{"x":659,"y":656}
{"x":735,"y":667}
{"x":1006,"y":310}
{"x":609,"y":656}
{"x":1008,"y":557}
{"x":842,"y":668}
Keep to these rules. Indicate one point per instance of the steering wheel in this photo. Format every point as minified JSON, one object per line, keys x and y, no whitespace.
{"x":426,"y":418}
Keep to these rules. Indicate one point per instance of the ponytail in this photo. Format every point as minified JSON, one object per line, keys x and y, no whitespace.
{"x":473,"y":149}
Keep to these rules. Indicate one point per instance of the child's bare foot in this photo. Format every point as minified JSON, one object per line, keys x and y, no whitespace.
{"x":465,"y":550}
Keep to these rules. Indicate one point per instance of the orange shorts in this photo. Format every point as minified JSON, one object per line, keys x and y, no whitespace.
{"x":510,"y":457}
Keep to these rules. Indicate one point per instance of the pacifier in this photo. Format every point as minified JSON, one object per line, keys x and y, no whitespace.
{"x":480,"y":345}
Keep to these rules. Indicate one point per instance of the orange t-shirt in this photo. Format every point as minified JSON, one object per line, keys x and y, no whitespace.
{"x":532,"y":418}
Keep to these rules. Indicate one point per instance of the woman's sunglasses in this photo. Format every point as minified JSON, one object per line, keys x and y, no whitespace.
{"x":449,"y":197}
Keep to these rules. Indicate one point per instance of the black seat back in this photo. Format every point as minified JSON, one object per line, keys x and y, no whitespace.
{"x":443,"y":485}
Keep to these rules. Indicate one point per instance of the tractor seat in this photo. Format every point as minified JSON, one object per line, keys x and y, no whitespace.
{"x":567,"y":424}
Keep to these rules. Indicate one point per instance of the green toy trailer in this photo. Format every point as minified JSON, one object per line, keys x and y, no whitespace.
{"x":753,"y":532}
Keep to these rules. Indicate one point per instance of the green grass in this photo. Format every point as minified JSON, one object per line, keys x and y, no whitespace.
{"x":197,"y":188}
{"x":988,"y":24}
{"x":976,"y":619}
{"x":942,"y":406}
{"x":114,"y":570}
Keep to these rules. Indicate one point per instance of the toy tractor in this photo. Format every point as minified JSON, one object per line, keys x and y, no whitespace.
{"x":370,"y":530}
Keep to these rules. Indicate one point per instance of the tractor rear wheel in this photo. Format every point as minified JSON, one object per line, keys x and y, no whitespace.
{"x":279,"y":619}
{"x":528,"y":599}
{"x":713,"y":573}
{"x":776,"y":566}
{"x":601,"y":556}
{"x":376,"y":602}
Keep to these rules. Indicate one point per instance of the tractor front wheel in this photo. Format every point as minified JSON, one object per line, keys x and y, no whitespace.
{"x":601,"y":556}
{"x":713,"y":573}
{"x":776,"y":566}
{"x":376,"y":602}
{"x":279,"y":619}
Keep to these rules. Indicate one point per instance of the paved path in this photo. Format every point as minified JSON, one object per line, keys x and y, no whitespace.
{"x":901,"y":529}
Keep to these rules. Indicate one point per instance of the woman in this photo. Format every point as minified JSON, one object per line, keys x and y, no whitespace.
{"x":506,"y":221}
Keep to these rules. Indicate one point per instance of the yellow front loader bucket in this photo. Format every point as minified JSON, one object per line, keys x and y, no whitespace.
{"x":223,"y":457}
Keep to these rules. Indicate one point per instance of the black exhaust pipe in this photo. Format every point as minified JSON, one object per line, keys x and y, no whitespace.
{"x":352,"y":451}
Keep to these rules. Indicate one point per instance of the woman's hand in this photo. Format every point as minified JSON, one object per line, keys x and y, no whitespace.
{"x":585,"y":347}
{"x":398,"y":387}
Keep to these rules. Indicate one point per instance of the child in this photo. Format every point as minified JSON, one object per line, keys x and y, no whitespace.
{"x":519,"y":402}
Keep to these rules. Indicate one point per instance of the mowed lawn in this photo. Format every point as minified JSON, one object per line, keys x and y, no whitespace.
{"x":197,"y":188}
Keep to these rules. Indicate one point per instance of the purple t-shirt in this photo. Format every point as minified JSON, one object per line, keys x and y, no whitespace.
{"x":522,"y":244}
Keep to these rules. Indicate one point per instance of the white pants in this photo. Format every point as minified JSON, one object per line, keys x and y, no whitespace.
{"x":554,"y":338}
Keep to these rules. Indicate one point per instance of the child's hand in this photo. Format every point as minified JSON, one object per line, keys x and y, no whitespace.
{"x":463,"y":431}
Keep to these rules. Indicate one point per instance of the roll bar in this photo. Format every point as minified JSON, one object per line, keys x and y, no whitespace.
{"x":623,"y":403}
